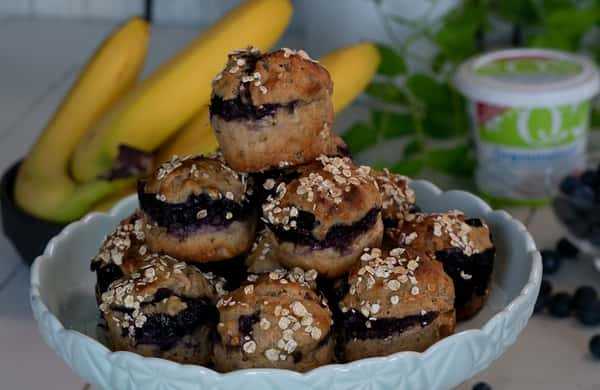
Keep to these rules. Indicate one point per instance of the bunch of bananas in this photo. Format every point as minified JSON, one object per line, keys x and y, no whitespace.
{"x":77,"y":163}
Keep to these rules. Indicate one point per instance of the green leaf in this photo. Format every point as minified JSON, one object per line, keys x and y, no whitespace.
{"x":517,"y":11}
{"x":552,"y":40}
{"x":572,"y":22}
{"x":456,"y":38}
{"x":391,"y":124}
{"x":595,"y":120}
{"x":386,"y":92}
{"x":408,"y":166}
{"x":456,"y":160}
{"x":391,"y":63}
{"x":359,"y":137}
{"x":413,"y":148}
{"x":428,"y":90}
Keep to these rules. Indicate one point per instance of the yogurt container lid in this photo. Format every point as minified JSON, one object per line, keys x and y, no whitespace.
{"x":528,"y":78}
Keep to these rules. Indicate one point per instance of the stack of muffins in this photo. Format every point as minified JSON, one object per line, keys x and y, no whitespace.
{"x":279,"y":251}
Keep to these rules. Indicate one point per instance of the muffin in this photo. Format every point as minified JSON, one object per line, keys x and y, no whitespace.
{"x":164,"y":310}
{"x":397,"y":198}
{"x":463,"y":245}
{"x":275,"y":320}
{"x":262,"y":258}
{"x":325,"y":217}
{"x":396,"y":300}
{"x":272,"y":110}
{"x":121,"y":253}
{"x":196,"y":209}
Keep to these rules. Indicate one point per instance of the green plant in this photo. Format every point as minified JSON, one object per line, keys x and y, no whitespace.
{"x":423,"y":108}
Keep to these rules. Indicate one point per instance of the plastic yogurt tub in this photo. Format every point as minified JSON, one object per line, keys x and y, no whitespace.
{"x":529,"y":111}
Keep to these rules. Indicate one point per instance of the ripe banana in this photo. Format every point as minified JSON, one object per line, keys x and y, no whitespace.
{"x":43,"y":186}
{"x":160,"y":105}
{"x":351,"y":68}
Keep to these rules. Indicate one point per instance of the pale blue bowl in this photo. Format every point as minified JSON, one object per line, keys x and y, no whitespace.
{"x":62,"y":298}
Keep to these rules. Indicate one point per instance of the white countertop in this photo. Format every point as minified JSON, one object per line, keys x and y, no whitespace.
{"x":38,"y":61}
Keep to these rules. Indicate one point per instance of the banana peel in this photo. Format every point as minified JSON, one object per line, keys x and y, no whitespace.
{"x":163,"y":103}
{"x":43,"y":186}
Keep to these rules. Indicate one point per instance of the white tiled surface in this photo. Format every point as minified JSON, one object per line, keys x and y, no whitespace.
{"x":38,"y":61}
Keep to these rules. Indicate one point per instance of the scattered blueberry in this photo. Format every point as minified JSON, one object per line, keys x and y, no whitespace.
{"x":550,"y":261}
{"x":546,"y":288}
{"x":583,"y":296}
{"x":583,"y":195}
{"x":540,"y":304}
{"x":568,"y":184}
{"x":566,"y":249}
{"x":589,"y":178}
{"x":484,"y":386}
{"x":589,"y":314}
{"x":595,"y":346}
{"x":560,"y":305}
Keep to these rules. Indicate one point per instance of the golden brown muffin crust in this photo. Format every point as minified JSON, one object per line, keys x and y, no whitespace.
{"x":397,"y":196}
{"x":396,"y":284}
{"x":332,"y":188}
{"x":175,"y":180}
{"x":279,"y":77}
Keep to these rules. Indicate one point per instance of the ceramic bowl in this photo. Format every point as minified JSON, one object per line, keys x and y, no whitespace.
{"x":62,"y":297}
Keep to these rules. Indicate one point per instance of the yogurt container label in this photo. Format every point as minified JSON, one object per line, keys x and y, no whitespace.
{"x":529,"y":113}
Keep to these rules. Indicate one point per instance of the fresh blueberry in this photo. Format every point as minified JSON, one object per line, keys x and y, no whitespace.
{"x":589,"y":314}
{"x":483,"y":386}
{"x":568,"y":184}
{"x":560,"y":305}
{"x":540,"y":304}
{"x":566,"y":249}
{"x":589,"y":178}
{"x":550,"y":261}
{"x":546,"y":288}
{"x":584,"y":295}
{"x":595,"y":346}
{"x":583,"y":196}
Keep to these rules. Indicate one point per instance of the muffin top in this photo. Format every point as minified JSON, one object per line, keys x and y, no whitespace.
{"x":279,"y":77}
{"x":274,"y":314}
{"x":397,"y":283}
{"x":435,"y":232}
{"x":175,"y":180}
{"x":396,"y":195}
{"x":332,"y":189}
{"x":160,"y":274}
{"x":124,"y":247}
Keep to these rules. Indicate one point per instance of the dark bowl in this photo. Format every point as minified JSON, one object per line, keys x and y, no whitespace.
{"x":28,"y":234}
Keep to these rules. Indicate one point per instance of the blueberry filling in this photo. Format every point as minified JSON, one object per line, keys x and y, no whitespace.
{"x":182,"y":218}
{"x":164,"y":330}
{"x":353,"y":325}
{"x":246,"y":322}
{"x":130,"y":162}
{"x":106,"y":274}
{"x":470,"y":274}
{"x":237,"y":108}
{"x":339,"y":236}
{"x":474,"y":222}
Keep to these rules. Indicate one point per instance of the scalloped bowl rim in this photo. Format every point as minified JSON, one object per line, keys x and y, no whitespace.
{"x":41,"y":311}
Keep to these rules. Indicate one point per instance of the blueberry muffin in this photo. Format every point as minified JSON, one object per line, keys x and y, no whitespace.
{"x":325,"y":217}
{"x":262,"y":257}
{"x":165,"y":309}
{"x":272,"y":110}
{"x":197,"y":209}
{"x":275,"y":320}
{"x":396,"y":300}
{"x":397,"y":198}
{"x":463,"y":245}
{"x":121,"y":253}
